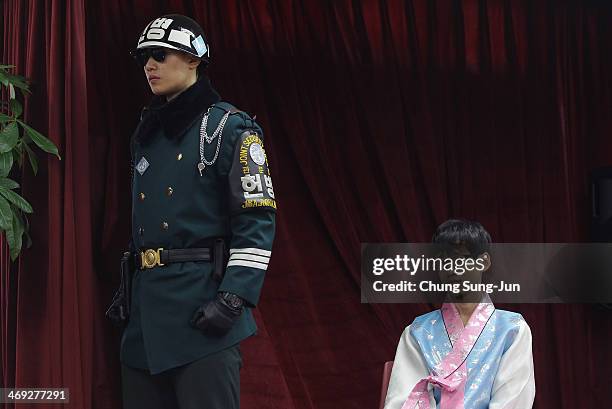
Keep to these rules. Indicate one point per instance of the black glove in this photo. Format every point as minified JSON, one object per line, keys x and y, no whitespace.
{"x":119,"y":310}
{"x":219,"y":315}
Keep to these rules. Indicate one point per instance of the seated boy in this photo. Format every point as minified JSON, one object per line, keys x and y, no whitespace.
{"x":465,"y":355}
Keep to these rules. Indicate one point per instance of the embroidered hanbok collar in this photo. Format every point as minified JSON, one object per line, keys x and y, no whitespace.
{"x":451,"y":373}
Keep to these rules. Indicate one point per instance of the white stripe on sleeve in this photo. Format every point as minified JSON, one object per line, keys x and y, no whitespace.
{"x":252,"y":250}
{"x":245,"y":263}
{"x":245,"y":256}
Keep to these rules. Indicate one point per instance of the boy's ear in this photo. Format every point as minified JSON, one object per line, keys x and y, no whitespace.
{"x":486,"y":258}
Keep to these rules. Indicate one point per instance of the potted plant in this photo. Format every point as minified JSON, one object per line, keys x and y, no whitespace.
{"x":17,"y":140}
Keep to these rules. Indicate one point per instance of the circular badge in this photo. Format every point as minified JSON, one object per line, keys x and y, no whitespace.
{"x":257,"y":154}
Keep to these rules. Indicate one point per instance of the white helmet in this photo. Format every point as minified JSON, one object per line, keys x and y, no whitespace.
{"x":177,"y":32}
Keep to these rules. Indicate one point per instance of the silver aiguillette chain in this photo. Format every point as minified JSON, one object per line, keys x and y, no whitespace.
{"x":205,"y":137}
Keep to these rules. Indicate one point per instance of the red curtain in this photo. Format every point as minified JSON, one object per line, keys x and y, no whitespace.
{"x":52,"y":332}
{"x":382,"y":119}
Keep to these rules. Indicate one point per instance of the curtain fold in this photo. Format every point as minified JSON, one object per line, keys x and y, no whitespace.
{"x":382,"y":119}
{"x":54,"y":294}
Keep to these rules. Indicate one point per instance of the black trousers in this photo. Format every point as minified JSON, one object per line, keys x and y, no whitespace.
{"x":209,"y":383}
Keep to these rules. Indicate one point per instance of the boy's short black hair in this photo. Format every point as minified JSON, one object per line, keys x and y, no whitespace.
{"x":468,"y":233}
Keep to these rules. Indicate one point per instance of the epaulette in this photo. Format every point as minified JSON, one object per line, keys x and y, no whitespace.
{"x":227,"y":107}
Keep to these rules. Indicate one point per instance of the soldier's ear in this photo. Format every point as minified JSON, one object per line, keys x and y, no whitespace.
{"x":193,"y":63}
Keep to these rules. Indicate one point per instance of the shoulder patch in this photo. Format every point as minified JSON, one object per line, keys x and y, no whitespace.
{"x":249,"y":178}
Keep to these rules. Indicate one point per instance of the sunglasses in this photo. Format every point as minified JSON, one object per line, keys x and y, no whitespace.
{"x":143,"y":55}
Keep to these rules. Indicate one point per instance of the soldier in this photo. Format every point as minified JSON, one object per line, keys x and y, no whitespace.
{"x":203,"y":216}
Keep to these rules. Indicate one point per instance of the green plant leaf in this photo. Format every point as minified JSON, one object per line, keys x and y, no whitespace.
{"x":9,"y":137}
{"x":6,"y":163}
{"x":16,"y":199}
{"x":6,"y":67}
{"x":17,"y":155}
{"x":5,"y":118}
{"x":6,"y":214}
{"x":16,"y":107}
{"x":32,"y":157}
{"x":13,"y":80}
{"x":8,"y":183}
{"x":40,"y":140}
{"x":17,"y":231}
{"x":20,"y":82}
{"x":10,"y":236}
{"x":26,"y":224}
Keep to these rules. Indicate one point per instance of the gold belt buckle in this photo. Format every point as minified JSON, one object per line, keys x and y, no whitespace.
{"x":151,"y":258}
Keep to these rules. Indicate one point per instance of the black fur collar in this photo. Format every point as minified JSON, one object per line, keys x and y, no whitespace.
{"x":176,"y":116}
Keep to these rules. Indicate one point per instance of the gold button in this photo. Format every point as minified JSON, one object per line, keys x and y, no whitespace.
{"x":169,"y":191}
{"x":164,"y":226}
{"x":179,"y":156}
{"x":142,"y":196}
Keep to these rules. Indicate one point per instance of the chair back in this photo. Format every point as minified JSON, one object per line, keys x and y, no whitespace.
{"x":385,"y":383}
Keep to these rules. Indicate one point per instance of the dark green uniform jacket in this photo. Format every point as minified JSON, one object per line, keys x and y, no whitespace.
{"x":173,"y":207}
